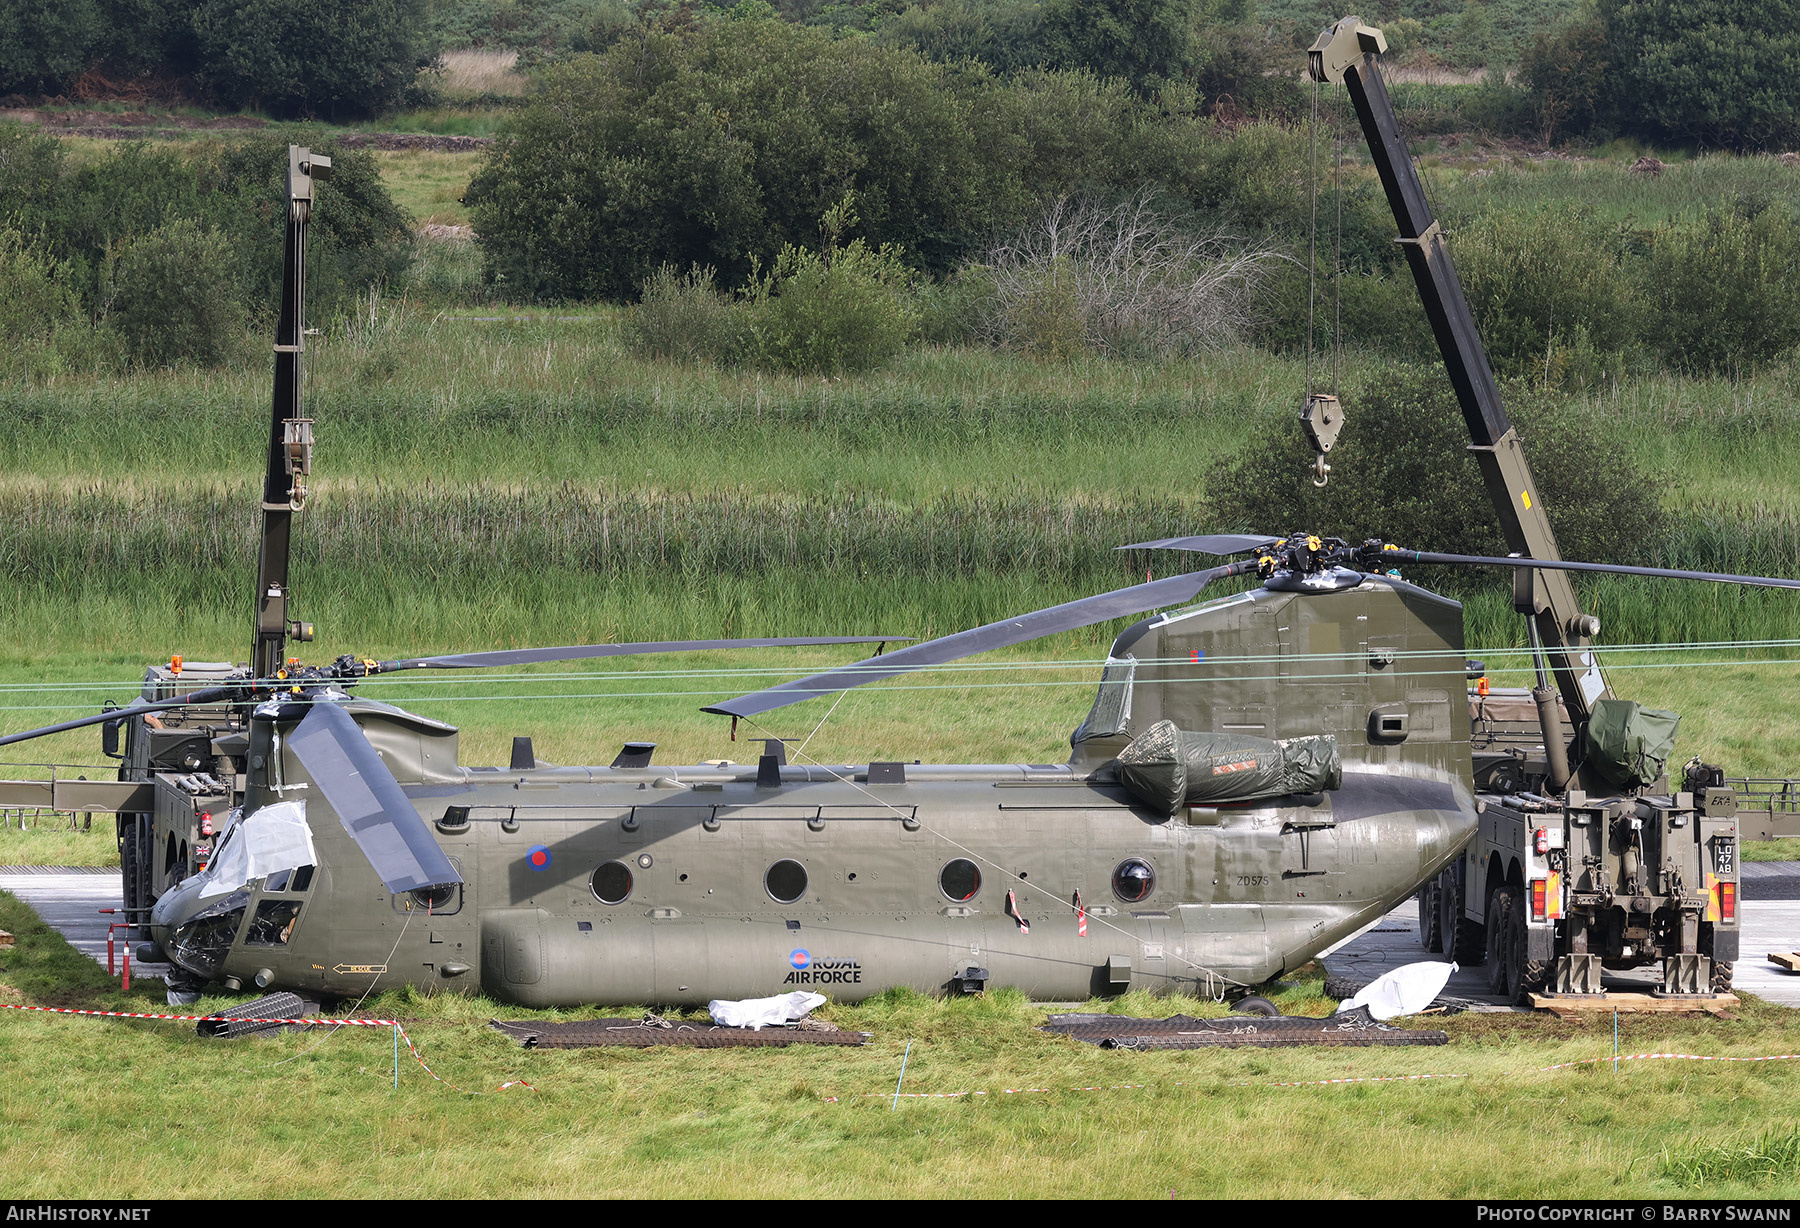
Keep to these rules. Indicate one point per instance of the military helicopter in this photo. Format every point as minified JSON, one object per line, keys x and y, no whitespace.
{"x":1260,"y":775}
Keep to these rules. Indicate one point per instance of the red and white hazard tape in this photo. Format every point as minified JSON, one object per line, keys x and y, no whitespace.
{"x":314,"y":1020}
{"x":1679,"y":1057}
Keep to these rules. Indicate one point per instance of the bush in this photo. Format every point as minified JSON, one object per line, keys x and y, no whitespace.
{"x":34,"y":301}
{"x":1123,"y":280}
{"x":1718,"y":75}
{"x":332,"y":58}
{"x":1552,"y":291}
{"x":171,"y":297}
{"x":683,"y":316}
{"x":1402,"y":471}
{"x":1726,"y":290}
{"x":954,"y":311}
{"x":840,"y":309}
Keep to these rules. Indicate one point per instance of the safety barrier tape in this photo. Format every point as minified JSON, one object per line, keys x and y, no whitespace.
{"x":309,"y":1022}
{"x":1411,"y":1078}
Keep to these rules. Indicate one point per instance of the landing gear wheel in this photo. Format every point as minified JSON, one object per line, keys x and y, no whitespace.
{"x":1431,"y":934}
{"x":1254,"y":1005}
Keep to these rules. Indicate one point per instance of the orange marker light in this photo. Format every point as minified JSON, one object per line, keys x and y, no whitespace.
{"x":1481,"y":687}
{"x":175,"y":665}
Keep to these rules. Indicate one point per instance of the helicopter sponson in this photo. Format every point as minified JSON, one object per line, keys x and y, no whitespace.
{"x":641,"y":883}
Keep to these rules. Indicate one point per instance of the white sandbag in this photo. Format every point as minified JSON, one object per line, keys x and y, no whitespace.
{"x":1406,"y":990}
{"x":764,"y":1012}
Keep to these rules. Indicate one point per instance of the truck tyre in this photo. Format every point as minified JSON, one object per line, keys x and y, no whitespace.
{"x":1464,"y":940}
{"x":1721,"y":977}
{"x":1510,"y":974}
{"x":1431,"y":934}
{"x":1497,"y":938}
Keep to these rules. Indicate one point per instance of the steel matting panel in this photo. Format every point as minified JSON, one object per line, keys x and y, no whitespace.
{"x":634,"y":1033}
{"x":1355,"y":1027}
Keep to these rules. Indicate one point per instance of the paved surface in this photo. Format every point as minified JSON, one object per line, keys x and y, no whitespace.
{"x":1771,"y":923}
{"x":70,"y":899}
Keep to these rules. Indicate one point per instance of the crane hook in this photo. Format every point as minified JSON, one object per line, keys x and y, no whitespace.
{"x":1321,"y":471}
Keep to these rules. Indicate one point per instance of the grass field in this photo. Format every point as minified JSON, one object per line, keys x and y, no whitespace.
{"x":318,"y":1116}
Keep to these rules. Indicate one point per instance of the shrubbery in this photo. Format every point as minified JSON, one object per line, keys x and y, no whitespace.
{"x":169,"y":297}
{"x":1407,"y":476}
{"x":1717,"y":75}
{"x":847,"y":307}
{"x":712,"y":144}
{"x":1121,"y":280}
{"x":122,"y":233}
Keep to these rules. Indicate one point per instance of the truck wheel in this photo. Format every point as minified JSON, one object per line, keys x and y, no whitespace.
{"x":1499,"y":939}
{"x":1431,"y":934}
{"x":1464,"y":941}
{"x":1721,"y":977}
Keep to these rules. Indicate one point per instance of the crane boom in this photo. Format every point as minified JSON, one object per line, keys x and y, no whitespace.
{"x":1347,"y":53}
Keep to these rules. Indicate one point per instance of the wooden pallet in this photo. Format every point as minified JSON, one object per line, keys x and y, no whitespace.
{"x":1567,"y":1008}
{"x":1785,"y":960}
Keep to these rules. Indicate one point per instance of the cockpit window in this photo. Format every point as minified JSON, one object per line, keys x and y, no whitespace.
{"x":1112,"y":706}
{"x":273,"y":923}
{"x":201,"y":943}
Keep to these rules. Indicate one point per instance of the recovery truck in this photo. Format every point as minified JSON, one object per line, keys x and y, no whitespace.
{"x":1587,"y":855}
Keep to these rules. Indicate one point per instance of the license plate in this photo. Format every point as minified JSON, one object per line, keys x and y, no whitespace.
{"x":1725,"y":857}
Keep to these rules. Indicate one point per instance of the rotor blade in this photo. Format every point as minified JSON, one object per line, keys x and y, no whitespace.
{"x":1066,"y":617}
{"x":205,"y":696}
{"x":1614,"y":569}
{"x":580,"y":652}
{"x":368,"y":800}
{"x":1209,"y":543}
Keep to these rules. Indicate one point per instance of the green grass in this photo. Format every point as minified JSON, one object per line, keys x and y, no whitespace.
{"x":428,"y":183}
{"x":311,"y":1115}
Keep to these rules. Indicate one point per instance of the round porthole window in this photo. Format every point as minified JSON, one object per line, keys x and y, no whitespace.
{"x":960,"y":879}
{"x":1134,"y":880}
{"x":612,"y":882}
{"x":785,"y":881}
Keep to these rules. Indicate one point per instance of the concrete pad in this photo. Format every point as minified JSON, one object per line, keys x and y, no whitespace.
{"x":1771,"y":922}
{"x":70,"y":898}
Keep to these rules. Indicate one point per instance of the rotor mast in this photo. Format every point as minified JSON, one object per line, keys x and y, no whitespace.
{"x":290,"y":434}
{"x":1347,"y":53}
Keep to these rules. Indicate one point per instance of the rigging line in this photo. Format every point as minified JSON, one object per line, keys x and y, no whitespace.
{"x":1335,"y":675}
{"x":351,"y":1013}
{"x":1337,"y":253}
{"x":1212,"y":975}
{"x":1312,"y":238}
{"x":821,"y":724}
{"x":877,"y":666}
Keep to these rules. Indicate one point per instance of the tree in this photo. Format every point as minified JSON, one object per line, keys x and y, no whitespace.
{"x":1146,"y":42}
{"x":1716,"y":74}
{"x":328,"y":58}
{"x":45,"y":46}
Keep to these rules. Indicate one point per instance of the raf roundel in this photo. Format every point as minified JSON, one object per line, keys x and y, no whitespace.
{"x":539,"y":857}
{"x":800,"y":959}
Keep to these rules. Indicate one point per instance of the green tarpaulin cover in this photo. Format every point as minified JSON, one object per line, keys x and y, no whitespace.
{"x":1628,"y":744}
{"x":1169,"y":767}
